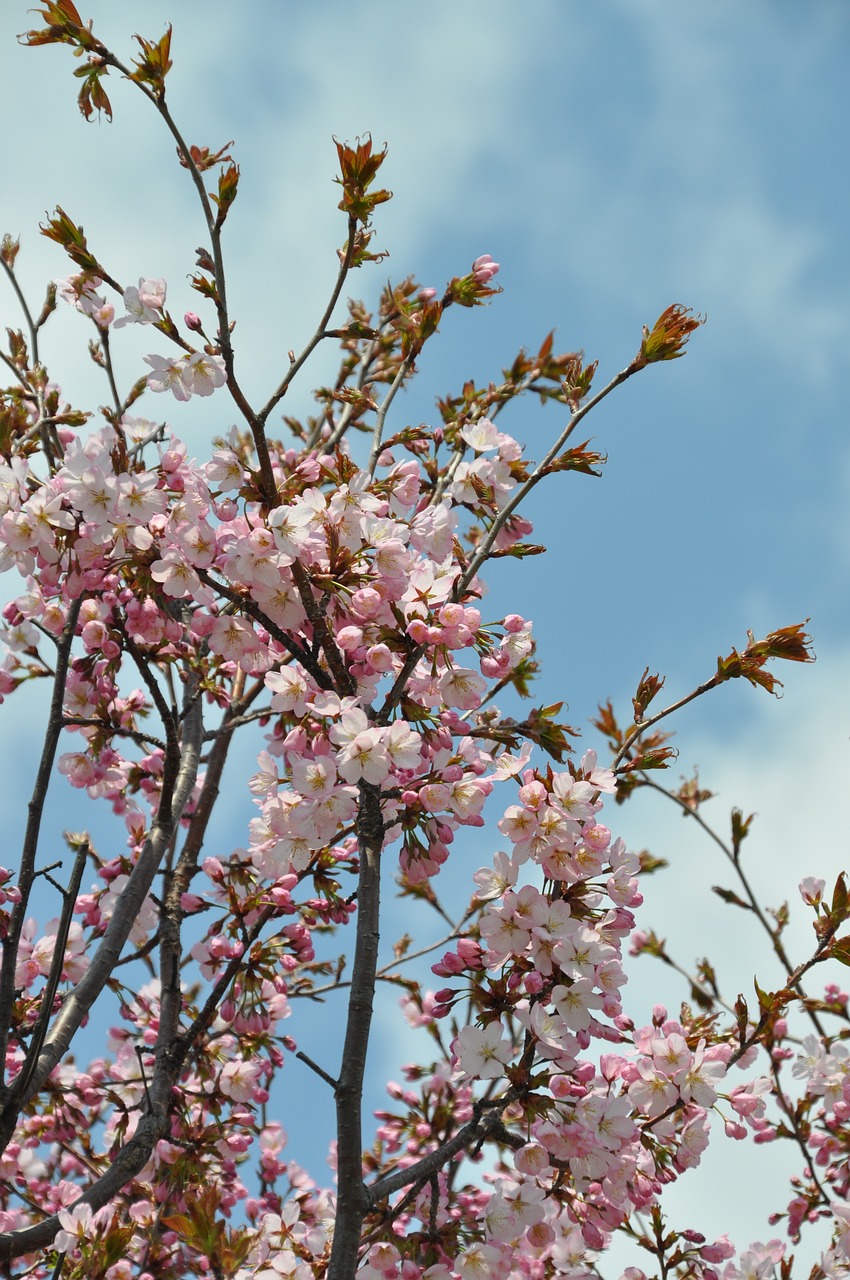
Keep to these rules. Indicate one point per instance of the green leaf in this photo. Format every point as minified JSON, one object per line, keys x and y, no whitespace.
{"x":154,"y":64}
{"x":72,"y":239}
{"x":227,"y":183}
{"x":518,"y":550}
{"x":92,"y":97}
{"x":740,"y":828}
{"x":728,"y":895}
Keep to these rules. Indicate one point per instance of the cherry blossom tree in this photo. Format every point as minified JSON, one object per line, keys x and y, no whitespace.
{"x":327,"y":588}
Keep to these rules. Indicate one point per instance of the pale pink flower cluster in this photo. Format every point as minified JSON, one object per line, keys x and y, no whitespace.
{"x":553,"y":959}
{"x":369,"y":681}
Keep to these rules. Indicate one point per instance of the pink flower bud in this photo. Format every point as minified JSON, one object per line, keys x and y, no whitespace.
{"x":192,"y":321}
{"x":540,"y":1234}
{"x":811,"y":890}
{"x":470,"y":950}
{"x":451,"y":615}
{"x":484,"y":268}
{"x":417,"y":630}
{"x":379,"y":657}
{"x":719,"y":1251}
{"x":349,"y":638}
{"x":103,"y":316}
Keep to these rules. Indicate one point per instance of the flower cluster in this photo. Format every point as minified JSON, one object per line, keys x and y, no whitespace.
{"x":334,"y":596}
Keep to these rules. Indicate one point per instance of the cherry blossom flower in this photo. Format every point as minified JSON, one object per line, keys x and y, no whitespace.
{"x":167,"y":375}
{"x":201,"y":374}
{"x":811,"y":890}
{"x":483,"y":1052}
{"x":144,"y":303}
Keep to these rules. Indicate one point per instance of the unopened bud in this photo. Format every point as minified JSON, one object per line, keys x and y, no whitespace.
{"x":483,"y":269}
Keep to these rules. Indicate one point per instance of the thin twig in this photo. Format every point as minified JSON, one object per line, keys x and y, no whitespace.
{"x":11,"y":942}
{"x":175,"y":794}
{"x":22,"y":303}
{"x":297,"y":364}
{"x":536,"y":476}
{"x":641,"y":727}
{"x":320,"y":1071}
{"x":775,"y":941}
{"x":383,"y":409}
{"x":110,"y":372}
{"x":54,"y":977}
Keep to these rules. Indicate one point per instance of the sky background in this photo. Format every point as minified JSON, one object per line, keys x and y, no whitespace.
{"x":614,"y":157}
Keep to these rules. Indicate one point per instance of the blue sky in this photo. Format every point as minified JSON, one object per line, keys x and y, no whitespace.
{"x":615,"y":157}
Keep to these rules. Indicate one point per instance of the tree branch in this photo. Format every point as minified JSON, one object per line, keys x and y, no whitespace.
{"x":354,"y":1199}
{"x":80,"y":999}
{"x":11,"y":943}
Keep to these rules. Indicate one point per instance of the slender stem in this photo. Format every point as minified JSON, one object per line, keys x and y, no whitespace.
{"x":78,"y":1002}
{"x":261,"y":713}
{"x":255,"y":423}
{"x":16,"y":373}
{"x":110,"y":372}
{"x":296,"y":365}
{"x":775,"y":940}
{"x":158,"y":433}
{"x":447,"y":476}
{"x":345,"y":683}
{"x":642,"y":726}
{"x":328,"y":445}
{"x":31,"y":324}
{"x":292,"y":647}
{"x":212,"y":1004}
{"x":320,"y":1071}
{"x":177,"y":883}
{"x":794,"y":1125}
{"x":498,"y":524}
{"x":54,"y":977}
{"x":11,"y":943}
{"x":536,"y":476}
{"x":144,"y":668}
{"x":475,"y":1131}
{"x":380,"y":417}
{"x":144,"y":740}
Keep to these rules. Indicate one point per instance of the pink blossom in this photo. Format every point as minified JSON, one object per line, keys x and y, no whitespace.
{"x":365,"y":756}
{"x":484,"y":268}
{"x":811,"y":890}
{"x":201,"y":374}
{"x":483,"y":1052}
{"x":167,"y":375}
{"x":238,"y":1080}
{"x":144,"y":303}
